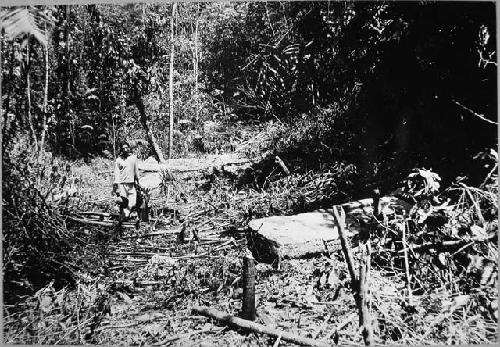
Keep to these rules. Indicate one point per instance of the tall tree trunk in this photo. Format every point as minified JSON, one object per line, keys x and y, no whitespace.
{"x":68,"y":78}
{"x":171,"y":128}
{"x":137,"y":100}
{"x":1,"y":111}
{"x":9,"y":86}
{"x":7,"y":91}
{"x":28,"y":96}
{"x":149,"y":132}
{"x":3,"y":119}
{"x":195,"y":60}
{"x":45,"y":92}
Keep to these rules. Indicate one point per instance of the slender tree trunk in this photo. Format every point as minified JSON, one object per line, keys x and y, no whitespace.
{"x":149,"y":132}
{"x":122,"y":109}
{"x":171,"y":128}
{"x":10,"y":84}
{"x":114,"y":137}
{"x":4,"y":119}
{"x":68,"y":76}
{"x":28,"y":97}
{"x":1,"y":110}
{"x":45,"y":93}
{"x":196,"y":28}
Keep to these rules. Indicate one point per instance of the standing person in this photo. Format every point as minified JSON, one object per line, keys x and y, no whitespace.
{"x":126,"y":178}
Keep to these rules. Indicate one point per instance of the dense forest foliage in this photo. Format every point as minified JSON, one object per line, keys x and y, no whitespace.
{"x":393,"y":84}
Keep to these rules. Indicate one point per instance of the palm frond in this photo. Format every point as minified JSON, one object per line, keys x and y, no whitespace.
{"x":22,"y":21}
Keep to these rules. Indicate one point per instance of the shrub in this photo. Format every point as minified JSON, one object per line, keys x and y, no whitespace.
{"x":37,"y":246}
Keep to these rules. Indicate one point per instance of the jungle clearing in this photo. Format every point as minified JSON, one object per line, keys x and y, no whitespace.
{"x":315,"y":173}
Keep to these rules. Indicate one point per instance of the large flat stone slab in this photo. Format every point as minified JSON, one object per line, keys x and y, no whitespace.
{"x":300,"y":228}
{"x":272,"y":238}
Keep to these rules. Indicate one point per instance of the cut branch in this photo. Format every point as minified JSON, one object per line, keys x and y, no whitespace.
{"x":446,"y":245}
{"x":340,"y":222}
{"x":280,"y":162}
{"x":476,"y":206}
{"x":480,"y":116}
{"x":95,"y":222}
{"x":407,"y":267}
{"x":255,"y":327}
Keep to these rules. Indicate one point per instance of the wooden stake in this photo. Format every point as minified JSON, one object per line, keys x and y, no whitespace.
{"x":248,"y":304}
{"x":376,"y":203}
{"x":362,"y":300}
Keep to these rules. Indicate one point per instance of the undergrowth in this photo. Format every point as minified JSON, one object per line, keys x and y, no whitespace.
{"x":36,"y":243}
{"x":451,"y":261}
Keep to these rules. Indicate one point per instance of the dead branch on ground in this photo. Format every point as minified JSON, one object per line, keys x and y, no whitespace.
{"x":255,"y":327}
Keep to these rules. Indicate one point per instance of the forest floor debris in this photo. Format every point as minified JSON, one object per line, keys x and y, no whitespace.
{"x":141,"y":285}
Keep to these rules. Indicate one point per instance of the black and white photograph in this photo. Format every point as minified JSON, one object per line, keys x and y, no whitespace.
{"x":249,"y":173}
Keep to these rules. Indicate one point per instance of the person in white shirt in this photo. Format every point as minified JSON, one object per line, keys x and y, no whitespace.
{"x":126,"y":179}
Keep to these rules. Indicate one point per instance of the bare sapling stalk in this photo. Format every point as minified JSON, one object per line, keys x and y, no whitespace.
{"x":28,"y":97}
{"x":340,"y":221}
{"x":1,"y":81}
{"x":45,"y":94}
{"x":407,"y":266}
{"x":358,"y":285}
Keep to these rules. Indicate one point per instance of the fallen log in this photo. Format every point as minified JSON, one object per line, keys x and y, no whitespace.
{"x":132,"y":260}
{"x":138,"y":253}
{"x":255,"y":327}
{"x":192,"y":165}
{"x":158,"y":233}
{"x":100,"y":223}
{"x":99,"y":214}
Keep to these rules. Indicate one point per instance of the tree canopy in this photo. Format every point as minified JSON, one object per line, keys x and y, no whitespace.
{"x":405,"y":79}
